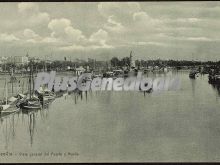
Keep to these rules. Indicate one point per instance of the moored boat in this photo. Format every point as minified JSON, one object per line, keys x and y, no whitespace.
{"x":9,"y":105}
{"x":193,"y":74}
{"x":32,"y":101}
{"x":214,"y":79}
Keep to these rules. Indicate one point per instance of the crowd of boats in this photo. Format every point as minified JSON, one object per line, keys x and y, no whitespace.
{"x":29,"y":100}
{"x":38,"y":99}
{"x":26,"y":101}
{"x":213,"y":74}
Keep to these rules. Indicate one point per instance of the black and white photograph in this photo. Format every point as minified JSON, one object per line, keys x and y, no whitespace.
{"x":94,"y":82}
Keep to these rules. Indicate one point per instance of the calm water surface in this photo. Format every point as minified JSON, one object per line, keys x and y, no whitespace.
{"x":105,"y":126}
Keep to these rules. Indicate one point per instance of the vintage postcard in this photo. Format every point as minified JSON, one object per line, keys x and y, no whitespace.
{"x":109,"y":82}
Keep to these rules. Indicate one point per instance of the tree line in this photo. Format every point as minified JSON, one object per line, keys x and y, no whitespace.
{"x":115,"y":62}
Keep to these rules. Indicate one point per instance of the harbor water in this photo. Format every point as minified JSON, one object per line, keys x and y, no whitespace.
{"x":180,"y":125}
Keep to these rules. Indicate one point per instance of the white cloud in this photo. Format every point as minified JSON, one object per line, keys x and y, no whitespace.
{"x":62,"y":28}
{"x":204,"y":39}
{"x":27,"y":7}
{"x":188,"y":20}
{"x":30,"y":34}
{"x":136,"y":26}
{"x":72,"y":47}
{"x":50,"y":40}
{"x":73,"y":34}
{"x":31,"y":15}
{"x":199,"y":39}
{"x":59,"y":25}
{"x":116,"y":24}
{"x":97,"y":40}
{"x":40,"y":18}
{"x":140,"y":43}
{"x":118,"y":8}
{"x":85,"y":48}
{"x":100,"y":36}
{"x":128,"y":22}
{"x":140,"y":16}
{"x":113,"y":25}
{"x":8,"y":37}
{"x":143,"y":19}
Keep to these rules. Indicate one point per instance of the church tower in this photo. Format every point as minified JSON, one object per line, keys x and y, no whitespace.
{"x":132,"y":62}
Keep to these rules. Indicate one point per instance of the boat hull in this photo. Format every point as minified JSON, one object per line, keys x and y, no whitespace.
{"x":30,"y":105}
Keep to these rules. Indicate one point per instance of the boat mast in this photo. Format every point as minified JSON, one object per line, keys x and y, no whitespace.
{"x":32,"y":77}
{"x":30,"y":80}
{"x":130,"y":58}
{"x":6,"y":91}
{"x":12,"y":85}
{"x":12,"y":76}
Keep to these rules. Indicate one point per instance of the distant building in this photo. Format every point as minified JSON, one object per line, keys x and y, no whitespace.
{"x":18,"y":60}
{"x":80,"y":70}
{"x":3,"y":60}
{"x":90,"y":60}
{"x":80,"y":61}
{"x":132,"y":62}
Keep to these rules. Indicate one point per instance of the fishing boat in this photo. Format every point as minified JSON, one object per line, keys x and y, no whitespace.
{"x":4,"y":104}
{"x":193,"y":74}
{"x":118,"y":73}
{"x":8,"y":105}
{"x":46,"y":96}
{"x":14,"y":100}
{"x":214,"y":79}
{"x":8,"y":112}
{"x":108,"y":74}
{"x":32,"y":101}
{"x":49,"y":95}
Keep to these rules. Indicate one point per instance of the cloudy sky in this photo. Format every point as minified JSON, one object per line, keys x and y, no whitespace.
{"x":166,"y":30}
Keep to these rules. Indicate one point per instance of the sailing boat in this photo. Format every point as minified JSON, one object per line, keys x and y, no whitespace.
{"x":46,"y":96}
{"x":193,"y":73}
{"x":32,"y":102}
{"x":5,"y":104}
{"x":9,"y":105}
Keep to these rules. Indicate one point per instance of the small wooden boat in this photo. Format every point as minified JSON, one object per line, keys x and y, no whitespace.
{"x":10,"y":105}
{"x":4,"y":104}
{"x":214,"y":79}
{"x":193,"y":74}
{"x":4,"y":107}
{"x":9,"y":110}
{"x":45,"y":96}
{"x":31,"y":103}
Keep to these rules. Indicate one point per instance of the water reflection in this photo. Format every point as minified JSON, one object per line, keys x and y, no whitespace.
{"x":10,"y":125}
{"x":216,"y":87}
{"x":8,"y":121}
{"x":193,"y":83}
{"x":31,"y":123}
